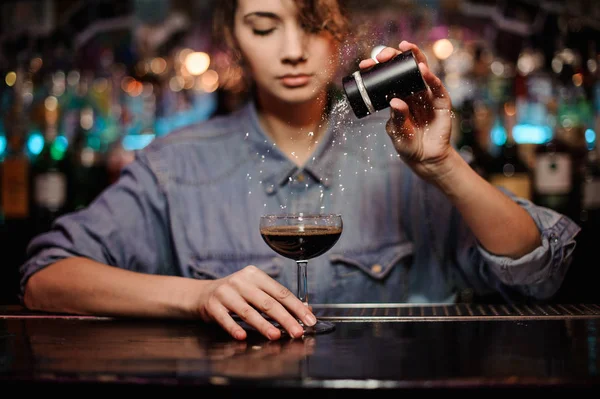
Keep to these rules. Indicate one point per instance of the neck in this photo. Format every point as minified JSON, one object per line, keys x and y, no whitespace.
{"x":295,"y":128}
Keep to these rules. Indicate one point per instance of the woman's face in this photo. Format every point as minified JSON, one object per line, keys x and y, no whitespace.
{"x":286,"y":62}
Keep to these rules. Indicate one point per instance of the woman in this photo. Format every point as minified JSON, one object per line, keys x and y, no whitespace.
{"x":177,"y":236}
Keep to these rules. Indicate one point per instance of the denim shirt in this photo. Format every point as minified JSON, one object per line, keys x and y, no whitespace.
{"x":190,"y":203}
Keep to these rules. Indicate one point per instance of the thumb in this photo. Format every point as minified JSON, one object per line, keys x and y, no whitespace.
{"x":397,"y":125}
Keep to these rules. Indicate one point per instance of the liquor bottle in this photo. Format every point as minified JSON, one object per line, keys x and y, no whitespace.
{"x":590,"y":199}
{"x":14,"y":176}
{"x":558,"y":166}
{"x":88,"y":168}
{"x":468,"y":143}
{"x":49,"y":175}
{"x":508,"y":170}
{"x":14,"y":197}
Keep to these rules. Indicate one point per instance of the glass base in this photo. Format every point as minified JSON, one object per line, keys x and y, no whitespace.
{"x":319,"y":328}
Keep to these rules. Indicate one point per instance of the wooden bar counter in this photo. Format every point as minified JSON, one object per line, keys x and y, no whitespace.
{"x":382,"y":349}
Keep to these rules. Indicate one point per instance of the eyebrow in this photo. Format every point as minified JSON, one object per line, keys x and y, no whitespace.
{"x":263,"y":14}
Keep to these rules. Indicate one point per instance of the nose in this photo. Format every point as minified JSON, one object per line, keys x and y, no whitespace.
{"x":294,"y":46}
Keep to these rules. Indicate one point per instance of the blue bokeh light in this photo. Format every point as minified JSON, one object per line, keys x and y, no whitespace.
{"x":526,"y":133}
{"x":61,"y":143}
{"x":2,"y":145}
{"x":590,"y":136}
{"x":35,"y":143}
{"x":498,"y":134}
{"x":133,"y":142}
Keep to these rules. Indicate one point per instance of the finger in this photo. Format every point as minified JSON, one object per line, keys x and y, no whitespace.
{"x":441,"y":97}
{"x":368,"y":63}
{"x":221,"y":315}
{"x":399,"y":112}
{"x":387,"y":54}
{"x":270,"y":306}
{"x":289,"y":300}
{"x":419,"y":55}
{"x":398,"y":126}
{"x":246,"y":312}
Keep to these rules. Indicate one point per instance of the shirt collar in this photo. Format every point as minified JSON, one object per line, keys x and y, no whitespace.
{"x":318,"y":166}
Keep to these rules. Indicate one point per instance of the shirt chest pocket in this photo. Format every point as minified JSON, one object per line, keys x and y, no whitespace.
{"x":215,"y":267}
{"x":375,"y":276}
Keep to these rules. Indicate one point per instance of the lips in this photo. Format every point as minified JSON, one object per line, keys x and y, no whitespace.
{"x":295,"y":80}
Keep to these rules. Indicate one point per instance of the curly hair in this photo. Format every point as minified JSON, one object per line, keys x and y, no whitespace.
{"x":315,"y":16}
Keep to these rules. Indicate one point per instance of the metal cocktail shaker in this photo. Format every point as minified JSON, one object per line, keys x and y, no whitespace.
{"x":371,"y":90}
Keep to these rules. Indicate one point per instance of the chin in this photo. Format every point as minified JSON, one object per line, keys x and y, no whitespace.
{"x":300,"y":95}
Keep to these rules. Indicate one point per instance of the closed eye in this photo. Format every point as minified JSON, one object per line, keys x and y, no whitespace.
{"x":264,"y":32}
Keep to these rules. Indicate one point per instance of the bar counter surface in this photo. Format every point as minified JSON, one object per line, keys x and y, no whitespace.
{"x":382,"y":349}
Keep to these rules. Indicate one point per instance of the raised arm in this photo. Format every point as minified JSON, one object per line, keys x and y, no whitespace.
{"x":420,"y":129}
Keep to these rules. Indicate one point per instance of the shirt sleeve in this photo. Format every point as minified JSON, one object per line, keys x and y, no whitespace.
{"x":126,"y":226}
{"x":540,"y":273}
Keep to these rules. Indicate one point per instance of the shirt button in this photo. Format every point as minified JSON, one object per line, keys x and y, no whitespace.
{"x":270,"y":189}
{"x":553,"y":238}
{"x":376,"y":268}
{"x":300,"y":177}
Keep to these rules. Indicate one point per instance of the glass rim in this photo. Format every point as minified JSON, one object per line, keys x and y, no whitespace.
{"x":301,"y":214}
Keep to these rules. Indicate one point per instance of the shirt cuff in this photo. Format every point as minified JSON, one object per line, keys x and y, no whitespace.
{"x":36,"y":263}
{"x":558,"y":243}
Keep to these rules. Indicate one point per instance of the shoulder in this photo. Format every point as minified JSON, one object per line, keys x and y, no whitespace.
{"x":216,"y":129}
{"x":199,"y":152}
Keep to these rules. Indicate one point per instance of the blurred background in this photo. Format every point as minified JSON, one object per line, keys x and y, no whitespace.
{"x":84,"y":84}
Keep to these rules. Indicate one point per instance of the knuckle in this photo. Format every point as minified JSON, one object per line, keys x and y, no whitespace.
{"x":251,"y":269}
{"x":235,"y":280}
{"x":249,"y":272}
{"x":219,"y":292}
{"x":284,"y":293}
{"x":245,"y":312}
{"x":267,"y":304}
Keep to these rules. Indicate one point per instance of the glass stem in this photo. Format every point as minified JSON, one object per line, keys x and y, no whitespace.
{"x":302,"y":281}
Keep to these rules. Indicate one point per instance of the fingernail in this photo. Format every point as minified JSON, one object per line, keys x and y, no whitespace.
{"x":273,"y":334}
{"x":296,"y":332}
{"x":310,"y":319}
